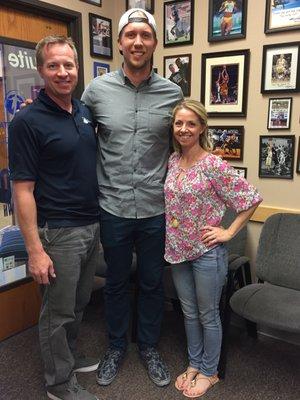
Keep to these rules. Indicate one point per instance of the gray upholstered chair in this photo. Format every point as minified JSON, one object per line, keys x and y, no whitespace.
{"x":275,"y":300}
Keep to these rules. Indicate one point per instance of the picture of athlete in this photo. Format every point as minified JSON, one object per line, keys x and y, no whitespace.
{"x":227,"y":9}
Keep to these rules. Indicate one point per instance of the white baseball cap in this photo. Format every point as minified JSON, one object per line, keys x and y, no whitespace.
{"x":127,"y":18}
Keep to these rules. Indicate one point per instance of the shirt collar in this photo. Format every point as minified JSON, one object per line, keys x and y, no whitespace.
{"x":50,"y":103}
{"x":125,"y":78}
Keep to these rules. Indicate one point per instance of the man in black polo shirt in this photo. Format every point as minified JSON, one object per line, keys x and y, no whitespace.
{"x":52,"y":157}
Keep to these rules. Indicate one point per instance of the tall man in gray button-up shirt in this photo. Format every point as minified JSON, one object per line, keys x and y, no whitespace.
{"x":133,"y":108}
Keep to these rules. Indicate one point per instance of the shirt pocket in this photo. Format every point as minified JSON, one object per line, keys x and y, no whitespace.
{"x":159,"y":122}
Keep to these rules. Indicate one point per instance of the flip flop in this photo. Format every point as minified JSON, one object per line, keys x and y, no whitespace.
{"x":211,"y":379}
{"x":184,"y":377}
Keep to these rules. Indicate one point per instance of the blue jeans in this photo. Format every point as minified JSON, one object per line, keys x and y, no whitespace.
{"x":75,"y":253}
{"x":199,"y":286}
{"x":119,"y":238}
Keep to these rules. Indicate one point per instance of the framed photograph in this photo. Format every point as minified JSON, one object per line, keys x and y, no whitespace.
{"x":224,"y":83}
{"x":242,"y":171}
{"x":147,"y":5}
{"x":280,"y":68}
{"x":279,"y":115}
{"x":100,"y":68}
{"x":298,"y":158}
{"x":228,"y":141}
{"x":100,"y":36}
{"x":282,"y":15}
{"x":94,"y":2}
{"x":178,"y":22}
{"x":227,"y":20}
{"x":178,"y":70}
{"x":276,"y":156}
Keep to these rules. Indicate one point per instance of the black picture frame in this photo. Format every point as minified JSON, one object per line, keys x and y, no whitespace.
{"x":280,"y":68}
{"x":276,"y":156}
{"x":221,"y":25}
{"x":177,"y":68}
{"x":93,"y":2}
{"x":298,"y":158}
{"x":228,"y":141}
{"x":178,"y":22}
{"x":242,"y":171}
{"x":279,"y":113}
{"x":225,"y":95}
{"x":281,"y":17}
{"x":100,"y":29}
{"x":147,"y":5}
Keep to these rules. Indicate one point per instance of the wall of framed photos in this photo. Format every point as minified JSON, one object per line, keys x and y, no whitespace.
{"x":281,"y":193}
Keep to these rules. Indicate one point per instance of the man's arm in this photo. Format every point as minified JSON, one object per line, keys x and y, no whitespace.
{"x":39,"y":263}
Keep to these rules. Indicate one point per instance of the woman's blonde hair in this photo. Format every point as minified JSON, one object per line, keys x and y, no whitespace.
{"x":199,"y":109}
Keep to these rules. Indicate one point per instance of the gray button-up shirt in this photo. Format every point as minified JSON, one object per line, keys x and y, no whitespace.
{"x":134,"y":141}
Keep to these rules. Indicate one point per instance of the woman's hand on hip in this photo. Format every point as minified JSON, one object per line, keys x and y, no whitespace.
{"x":212,"y":235}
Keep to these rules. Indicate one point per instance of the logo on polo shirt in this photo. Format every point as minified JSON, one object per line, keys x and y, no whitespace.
{"x":86,"y":121}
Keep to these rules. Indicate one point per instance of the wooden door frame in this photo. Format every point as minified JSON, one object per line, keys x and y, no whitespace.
{"x":73,"y":19}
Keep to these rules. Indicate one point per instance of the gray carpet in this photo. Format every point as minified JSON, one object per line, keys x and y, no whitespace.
{"x":264,"y":369}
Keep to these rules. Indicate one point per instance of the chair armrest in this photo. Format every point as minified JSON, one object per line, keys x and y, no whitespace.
{"x":239,"y":269}
{"x":238,"y":262}
{"x":232,"y":257}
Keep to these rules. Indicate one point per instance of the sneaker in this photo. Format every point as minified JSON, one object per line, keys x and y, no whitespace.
{"x":85,"y":364}
{"x":157,"y":370}
{"x":109,"y":366}
{"x":70,"y":390}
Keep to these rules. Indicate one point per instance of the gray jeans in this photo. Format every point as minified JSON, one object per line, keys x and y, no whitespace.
{"x":75,"y":253}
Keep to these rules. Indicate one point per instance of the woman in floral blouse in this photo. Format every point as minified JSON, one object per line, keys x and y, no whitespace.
{"x":198,"y":189}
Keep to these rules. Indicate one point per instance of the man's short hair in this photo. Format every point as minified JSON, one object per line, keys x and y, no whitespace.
{"x":50,"y":40}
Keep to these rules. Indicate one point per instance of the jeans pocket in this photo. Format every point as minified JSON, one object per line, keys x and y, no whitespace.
{"x":48,"y":236}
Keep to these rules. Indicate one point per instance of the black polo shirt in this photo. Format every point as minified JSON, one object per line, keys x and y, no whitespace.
{"x":56,"y":150}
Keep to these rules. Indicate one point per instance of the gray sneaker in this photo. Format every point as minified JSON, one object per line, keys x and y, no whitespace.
{"x":85,"y":364}
{"x":157,"y":370}
{"x":109,"y":366}
{"x":70,"y":390}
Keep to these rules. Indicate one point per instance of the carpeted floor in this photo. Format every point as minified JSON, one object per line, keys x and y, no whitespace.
{"x":265,"y":369}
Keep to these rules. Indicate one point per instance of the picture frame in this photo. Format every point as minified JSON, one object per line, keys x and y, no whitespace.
{"x":276,"y":156}
{"x":298,"y":158}
{"x":279,"y":114}
{"x":227,"y":21}
{"x":147,"y":5}
{"x":242,"y":171}
{"x":93,"y":2}
{"x":280,"y":68}
{"x":178,"y":22}
{"x":177,"y":69}
{"x":100,"y":36}
{"x":224,"y":83}
{"x":282,"y":15}
{"x":228,"y":141}
{"x":100,"y":68}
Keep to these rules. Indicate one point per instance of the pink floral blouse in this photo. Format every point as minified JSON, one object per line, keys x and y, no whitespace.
{"x":200,"y":198}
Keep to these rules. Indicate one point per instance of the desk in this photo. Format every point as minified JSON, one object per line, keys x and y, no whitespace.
{"x":20,"y":303}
